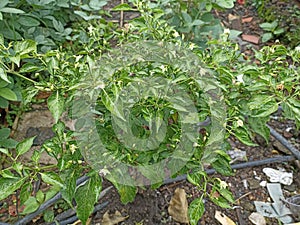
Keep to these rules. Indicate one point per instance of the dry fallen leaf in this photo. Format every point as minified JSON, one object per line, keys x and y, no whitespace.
{"x":223,"y":219}
{"x":178,"y":207}
{"x":112,"y":219}
{"x":257,"y":219}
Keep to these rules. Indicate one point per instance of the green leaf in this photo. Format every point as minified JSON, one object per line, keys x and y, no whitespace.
{"x":31,"y":205}
{"x":51,"y":192}
{"x":269,"y":26}
{"x":68,"y":191}
{"x":24,"y":146}
{"x":52,"y":65}
{"x":4,"y":133}
{"x":23,"y":48}
{"x":97,"y":4}
{"x":17,"y":166}
{"x":8,"y":94}
{"x":242,"y":134}
{"x":291,"y":110}
{"x":15,"y":59}
{"x":11,"y":10}
{"x":58,"y":26}
{"x":196,"y":178}
{"x":123,"y":7}
{"x":226,"y":194}
{"x":25,"y":192}
{"x":8,"y":143}
{"x":6,"y":173}
{"x":52,"y":178}
{"x":28,"y":21}
{"x":56,"y":105}
{"x":3,"y":84}
{"x":36,"y":155}
{"x":227,"y":4}
{"x":40,"y":196}
{"x":234,"y":34}
{"x":187,"y":18}
{"x":48,"y":216}
{"x":279,"y":31}
{"x":266,"y":109}
{"x":222,"y":166}
{"x":266,"y":37}
{"x":220,"y":201}
{"x":259,"y":126}
{"x":3,"y":103}
{"x":86,"y":196}
{"x":11,"y":34}
{"x":295,"y":103}
{"x":262,"y":105}
{"x":85,"y":16}
{"x":9,"y":186}
{"x":3,"y":75}
{"x":197,"y":22}
{"x":127,"y":193}
{"x":4,"y":151}
{"x":196,"y":210}
{"x":63,"y":3}
{"x":3,"y":3}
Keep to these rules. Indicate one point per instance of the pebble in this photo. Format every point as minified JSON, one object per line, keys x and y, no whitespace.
{"x":290,"y":188}
{"x":248,"y":206}
{"x":253,"y":184}
{"x":278,"y":146}
{"x":287,"y":134}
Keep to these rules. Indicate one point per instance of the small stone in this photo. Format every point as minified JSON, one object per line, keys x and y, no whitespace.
{"x":244,"y":176}
{"x":253,"y":184}
{"x":280,"y":147}
{"x":287,"y":134}
{"x":290,"y":188}
{"x":260,"y":140}
{"x":258,"y":178}
{"x":248,"y":206}
{"x":245,"y":183}
{"x":263,"y":183}
{"x":257,"y":219}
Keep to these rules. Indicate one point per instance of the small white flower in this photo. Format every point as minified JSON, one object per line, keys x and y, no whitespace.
{"x":226,"y":31}
{"x":240,"y":123}
{"x":176,"y":34}
{"x":78,"y":57}
{"x":163,"y":68}
{"x":103,"y":172}
{"x":192,"y":46}
{"x":297,"y":48}
{"x":101,"y":85}
{"x":73,"y":148}
{"x":195,"y":144}
{"x":90,"y":29}
{"x":223,"y":184}
{"x":239,"y":78}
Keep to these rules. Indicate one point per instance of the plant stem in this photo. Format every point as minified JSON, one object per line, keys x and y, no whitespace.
{"x":22,"y":76}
